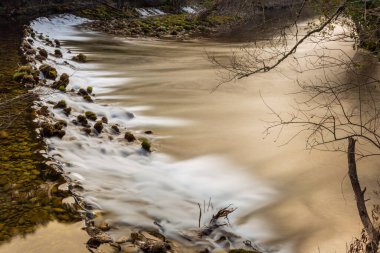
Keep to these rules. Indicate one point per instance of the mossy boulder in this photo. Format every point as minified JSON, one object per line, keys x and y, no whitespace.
{"x":49,"y":130}
{"x":129,"y":137}
{"x":88,"y":98}
{"x":57,"y":43}
{"x":63,"y":81}
{"x":61,"y":104}
{"x":67,"y":111}
{"x":115,"y":129}
{"x":82,"y":120}
{"x":48,"y":71}
{"x":26,"y":75}
{"x":91,"y":115}
{"x":44,"y":111}
{"x":58,"y":53}
{"x":98,"y":126}
{"x":89,"y":89}
{"x":43,"y":53}
{"x":145,"y":144}
{"x":104,"y":120}
{"x":80,"y":58}
{"x":82,"y":92}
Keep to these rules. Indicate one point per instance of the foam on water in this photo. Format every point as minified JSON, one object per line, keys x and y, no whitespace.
{"x":139,"y":188}
{"x":149,"y":12}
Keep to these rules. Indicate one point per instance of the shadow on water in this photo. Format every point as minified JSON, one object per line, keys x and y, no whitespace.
{"x":29,"y":195}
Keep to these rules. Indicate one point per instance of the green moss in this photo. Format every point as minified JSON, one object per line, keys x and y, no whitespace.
{"x":98,"y":126}
{"x":61,"y":104}
{"x":145,"y":144}
{"x":80,"y":58}
{"x":91,"y":115}
{"x":89,"y":89}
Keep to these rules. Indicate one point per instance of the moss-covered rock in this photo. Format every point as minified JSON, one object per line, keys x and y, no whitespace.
{"x":104,"y":120}
{"x":63,"y":81}
{"x":115,"y":129}
{"x":98,"y":126}
{"x":43,"y":53}
{"x":67,"y":111}
{"x":91,"y":115}
{"x":89,"y":89}
{"x":80,"y":58}
{"x":49,"y":130}
{"x":145,"y":144}
{"x":58,"y":53}
{"x":82,"y":120}
{"x":61,"y":104}
{"x":48,"y":71}
{"x":129,"y":137}
{"x":26,"y":75}
{"x":82,"y":92}
{"x":88,"y":98}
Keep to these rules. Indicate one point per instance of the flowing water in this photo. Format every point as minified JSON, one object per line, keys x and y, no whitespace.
{"x":206,"y":144}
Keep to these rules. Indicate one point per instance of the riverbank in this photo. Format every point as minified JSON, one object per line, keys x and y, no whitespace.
{"x":30,"y":190}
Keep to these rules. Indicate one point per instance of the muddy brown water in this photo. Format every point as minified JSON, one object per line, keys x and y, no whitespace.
{"x":316,"y":209}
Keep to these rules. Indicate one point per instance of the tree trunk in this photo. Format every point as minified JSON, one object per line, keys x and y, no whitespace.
{"x":373,"y":234}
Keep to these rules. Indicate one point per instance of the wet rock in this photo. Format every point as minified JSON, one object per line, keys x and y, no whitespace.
{"x":31,"y":51}
{"x":67,"y":111}
{"x":129,"y":137}
{"x":58,"y":53}
{"x":82,"y":92}
{"x":57,"y":43}
{"x":40,"y":58}
{"x":80,"y":58}
{"x":145,"y":144}
{"x":98,"y":239}
{"x":91,"y":115}
{"x":82,"y":120}
{"x":61,"y":105}
{"x":115,"y":129}
{"x":148,"y":132}
{"x":43,"y":53}
{"x":98,"y":126}
{"x":108,"y":248}
{"x":44,"y":111}
{"x":63,"y":81}
{"x":88,"y":98}
{"x":105,"y":120}
{"x":48,"y":71}
{"x":104,"y":226}
{"x":49,"y":130}
{"x":89,"y":89}
{"x":86,"y":130}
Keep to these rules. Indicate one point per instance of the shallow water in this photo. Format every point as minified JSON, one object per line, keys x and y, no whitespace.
{"x":207,"y":145}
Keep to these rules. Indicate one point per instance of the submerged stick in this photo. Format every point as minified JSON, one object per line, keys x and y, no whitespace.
{"x":200,"y":215}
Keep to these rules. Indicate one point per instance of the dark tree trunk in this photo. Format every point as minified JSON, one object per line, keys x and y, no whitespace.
{"x":373,"y":234}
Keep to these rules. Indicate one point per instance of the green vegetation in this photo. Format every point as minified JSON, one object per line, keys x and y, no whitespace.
{"x":89,"y":89}
{"x":145,"y":144}
{"x":61,"y":104}
{"x":48,"y":71}
{"x":91,"y":115}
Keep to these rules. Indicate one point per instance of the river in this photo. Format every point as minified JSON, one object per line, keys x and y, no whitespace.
{"x":207,"y":144}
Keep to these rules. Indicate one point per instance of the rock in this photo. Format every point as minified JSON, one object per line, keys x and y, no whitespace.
{"x":80,"y":58}
{"x":43,"y":53}
{"x":63,"y":81}
{"x":82,"y":120}
{"x":108,"y":248}
{"x":44,"y":111}
{"x":104,"y":226}
{"x":115,"y":129}
{"x":67,"y":111}
{"x":148,"y":132}
{"x":145,"y":144}
{"x":48,"y":71}
{"x":88,"y":98}
{"x":89,"y":89}
{"x":98,"y":239}
{"x":61,"y":104}
{"x":105,"y":120}
{"x":58,"y":53}
{"x":91,"y":115}
{"x":49,"y":130}
{"x":57,"y":43}
{"x":129,"y":137}
{"x":98,"y":126}
{"x":40,"y":58}
{"x":131,"y":249}
{"x":82,"y":92}
{"x":86,"y":130}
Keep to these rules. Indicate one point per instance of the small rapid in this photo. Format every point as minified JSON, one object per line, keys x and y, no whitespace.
{"x":133,"y":187}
